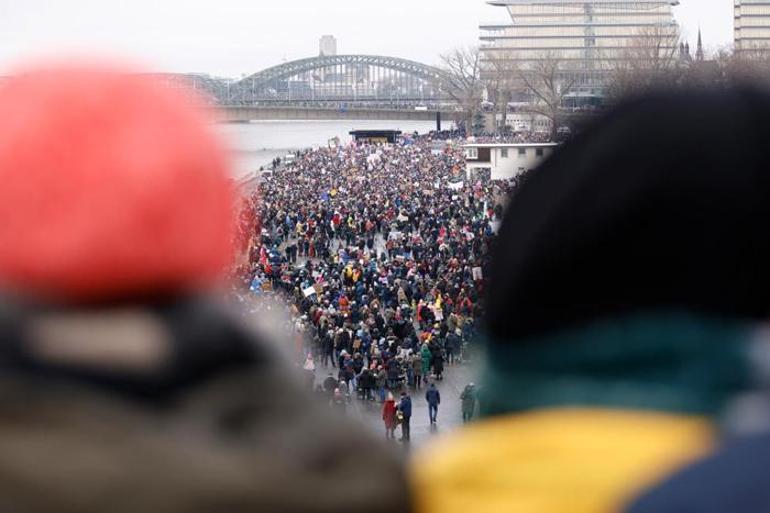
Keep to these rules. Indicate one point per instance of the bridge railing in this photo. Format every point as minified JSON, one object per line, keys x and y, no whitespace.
{"x":349,"y":105}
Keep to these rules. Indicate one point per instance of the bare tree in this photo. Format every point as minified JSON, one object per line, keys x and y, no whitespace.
{"x":501,"y":80}
{"x":548,"y":81}
{"x":650,"y":59}
{"x":747,"y":65}
{"x":462,"y":81}
{"x":709,"y":74}
{"x":724,"y":60}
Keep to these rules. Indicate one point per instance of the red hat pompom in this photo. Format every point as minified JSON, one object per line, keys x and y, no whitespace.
{"x":111,"y":186}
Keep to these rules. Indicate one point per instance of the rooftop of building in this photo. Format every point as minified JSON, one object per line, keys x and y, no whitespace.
{"x":509,"y":145}
{"x":505,"y":3}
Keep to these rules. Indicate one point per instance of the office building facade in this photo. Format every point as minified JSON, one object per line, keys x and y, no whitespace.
{"x":586,"y":36}
{"x":752,"y":25}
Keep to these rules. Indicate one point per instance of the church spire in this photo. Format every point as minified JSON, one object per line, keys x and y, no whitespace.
{"x":699,"y":56}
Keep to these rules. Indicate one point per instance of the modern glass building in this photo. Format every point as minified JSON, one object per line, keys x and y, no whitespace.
{"x":752,"y":25}
{"x":586,"y":36}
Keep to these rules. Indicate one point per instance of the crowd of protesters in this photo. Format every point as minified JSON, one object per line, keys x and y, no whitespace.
{"x":518,"y":137}
{"x":626,"y":330}
{"x":381,"y":251}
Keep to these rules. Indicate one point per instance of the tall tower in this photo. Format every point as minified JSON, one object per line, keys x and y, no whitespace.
{"x":328,"y":46}
{"x":699,"y":55}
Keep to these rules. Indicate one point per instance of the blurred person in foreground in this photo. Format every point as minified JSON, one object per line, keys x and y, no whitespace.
{"x":628,"y":347}
{"x":124,"y":386}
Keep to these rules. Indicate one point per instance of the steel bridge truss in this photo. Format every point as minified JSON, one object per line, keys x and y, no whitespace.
{"x":212,"y":90}
{"x":341,"y":79}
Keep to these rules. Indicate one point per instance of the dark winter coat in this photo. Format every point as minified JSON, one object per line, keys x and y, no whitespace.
{"x":438,"y":362}
{"x":468,"y":398}
{"x":734,"y":479}
{"x":405,"y":406}
{"x":181,"y":406}
{"x":454,"y":343}
{"x":433,"y":396}
{"x":366,"y":380}
{"x":330,"y":384}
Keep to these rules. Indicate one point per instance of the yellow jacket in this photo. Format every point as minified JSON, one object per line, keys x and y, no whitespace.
{"x":556,"y":461}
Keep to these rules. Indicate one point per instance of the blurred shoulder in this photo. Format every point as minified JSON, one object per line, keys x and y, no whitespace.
{"x":734,"y":479}
{"x":551,"y":461}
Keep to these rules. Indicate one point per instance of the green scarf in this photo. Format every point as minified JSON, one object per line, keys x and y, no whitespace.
{"x":672,"y":362}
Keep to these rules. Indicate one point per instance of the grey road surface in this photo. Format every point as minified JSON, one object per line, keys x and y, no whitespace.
{"x":369,"y":413}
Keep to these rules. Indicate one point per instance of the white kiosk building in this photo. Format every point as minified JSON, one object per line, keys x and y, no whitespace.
{"x":502,"y":161}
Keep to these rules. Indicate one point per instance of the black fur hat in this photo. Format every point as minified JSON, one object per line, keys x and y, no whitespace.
{"x":663,"y":205}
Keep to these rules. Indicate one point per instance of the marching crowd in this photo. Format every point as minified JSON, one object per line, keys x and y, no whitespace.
{"x":381,"y":251}
{"x":519,"y":137}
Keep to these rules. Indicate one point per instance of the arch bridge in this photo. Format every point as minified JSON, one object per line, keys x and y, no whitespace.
{"x":340,"y":80}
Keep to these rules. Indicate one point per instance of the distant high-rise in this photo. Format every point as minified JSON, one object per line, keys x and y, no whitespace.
{"x":752,"y":25}
{"x":586,"y":35}
{"x":328,"y":46}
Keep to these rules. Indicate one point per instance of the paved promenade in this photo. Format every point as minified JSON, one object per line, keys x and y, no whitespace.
{"x":369,"y":413}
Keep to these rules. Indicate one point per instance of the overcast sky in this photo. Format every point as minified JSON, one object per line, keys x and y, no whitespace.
{"x":231,"y":37}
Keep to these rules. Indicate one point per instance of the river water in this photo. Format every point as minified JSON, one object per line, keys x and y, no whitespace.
{"x":257,"y":143}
